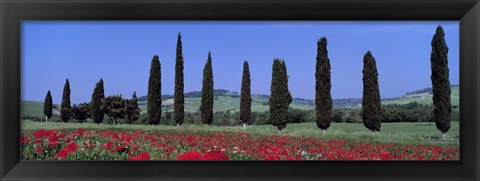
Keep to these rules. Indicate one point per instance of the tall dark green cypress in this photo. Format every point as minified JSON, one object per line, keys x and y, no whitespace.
{"x":245,"y":97}
{"x":154,"y":103}
{"x":66,"y":107}
{"x":96,"y":104}
{"x":440,"y":81}
{"x":371,"y":105}
{"x":280,"y":97}
{"x":288,"y":100}
{"x":323,"y":97}
{"x":206,"y":107}
{"x":179,"y":101}
{"x":48,"y":106}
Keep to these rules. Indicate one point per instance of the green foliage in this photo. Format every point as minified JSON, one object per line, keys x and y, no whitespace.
{"x":206,"y":107}
{"x":81,"y":112}
{"x":280,"y":97}
{"x":246,"y":97}
{"x":114,"y":107}
{"x":143,"y":119}
{"x":440,"y":82}
{"x":371,"y":105}
{"x":66,"y":108}
{"x":354,"y":116}
{"x":48,"y":105}
{"x":132,"y":112}
{"x":337,"y":116}
{"x":154,"y":107}
{"x":96,"y":103}
{"x":179,"y":100}
{"x":297,"y":115}
{"x":323,"y":97}
{"x":411,"y":112}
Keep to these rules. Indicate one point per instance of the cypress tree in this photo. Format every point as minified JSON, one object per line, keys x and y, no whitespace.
{"x":440,"y":82}
{"x":66,"y":108}
{"x":96,"y":103}
{"x":154,"y":103}
{"x":287,"y":93}
{"x":131,"y":109}
{"x":178,"y":103}
{"x":323,"y":98}
{"x":206,"y":107}
{"x":280,"y":97}
{"x":245,"y":97}
{"x":48,"y":106}
{"x":371,"y":105}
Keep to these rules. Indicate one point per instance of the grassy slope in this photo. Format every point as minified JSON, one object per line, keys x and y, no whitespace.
{"x":425,"y":98}
{"x":402,"y":133}
{"x":31,"y":108}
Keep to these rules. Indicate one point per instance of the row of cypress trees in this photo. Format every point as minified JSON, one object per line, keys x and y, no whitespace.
{"x":371,"y":103}
{"x":280,"y":96}
{"x":99,"y":105}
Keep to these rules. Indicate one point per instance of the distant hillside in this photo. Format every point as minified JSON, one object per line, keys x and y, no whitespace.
{"x":35,"y":109}
{"x":424,"y":96}
{"x":196,"y":94}
{"x":229,"y":101}
{"x":224,"y":100}
{"x":426,"y":90}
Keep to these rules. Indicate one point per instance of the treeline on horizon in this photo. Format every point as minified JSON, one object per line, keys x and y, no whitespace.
{"x":118,"y":109}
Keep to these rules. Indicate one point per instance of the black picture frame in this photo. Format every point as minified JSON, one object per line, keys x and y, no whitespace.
{"x":12,"y":12}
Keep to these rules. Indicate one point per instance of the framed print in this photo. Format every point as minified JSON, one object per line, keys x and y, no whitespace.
{"x":196,"y":90}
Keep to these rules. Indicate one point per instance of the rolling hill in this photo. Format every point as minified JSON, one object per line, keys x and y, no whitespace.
{"x":229,"y":101}
{"x":424,"y":96}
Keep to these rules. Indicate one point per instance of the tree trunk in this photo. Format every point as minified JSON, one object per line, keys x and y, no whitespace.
{"x":178,"y":125}
{"x":46,"y":119}
{"x":244,"y":126}
{"x":444,"y":136}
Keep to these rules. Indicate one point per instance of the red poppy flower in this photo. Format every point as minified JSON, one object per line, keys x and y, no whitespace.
{"x":39,"y":150}
{"x":24,"y":140}
{"x":135,"y":148}
{"x":108,"y":145}
{"x":80,"y":131}
{"x":216,"y":155}
{"x":53,"y":140}
{"x":120,"y":148}
{"x":385,"y":153}
{"x":39,"y":133}
{"x":142,"y":156}
{"x":71,"y":147}
{"x":37,"y":142}
{"x":191,"y":155}
{"x":63,"y":153}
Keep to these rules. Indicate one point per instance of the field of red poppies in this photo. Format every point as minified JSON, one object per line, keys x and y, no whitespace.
{"x":101,"y":144}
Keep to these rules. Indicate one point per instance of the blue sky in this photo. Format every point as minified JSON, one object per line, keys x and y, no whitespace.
{"x":120,"y":52}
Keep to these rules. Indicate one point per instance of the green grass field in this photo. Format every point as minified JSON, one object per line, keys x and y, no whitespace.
{"x":400,"y":133}
{"x":31,"y":108}
{"x":425,"y":98}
